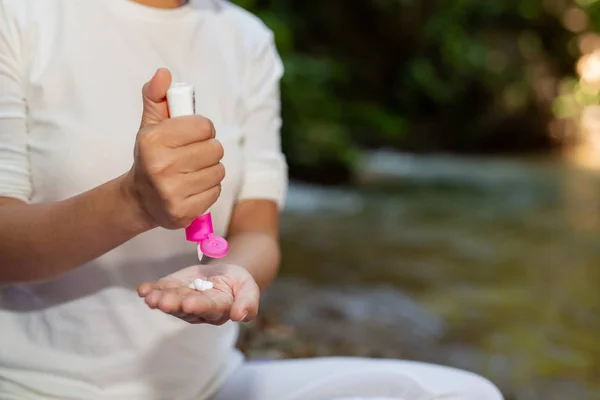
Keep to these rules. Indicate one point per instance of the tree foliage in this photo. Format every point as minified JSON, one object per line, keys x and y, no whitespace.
{"x":418,"y":75}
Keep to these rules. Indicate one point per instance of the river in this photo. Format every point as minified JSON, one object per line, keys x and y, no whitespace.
{"x":491,"y":265}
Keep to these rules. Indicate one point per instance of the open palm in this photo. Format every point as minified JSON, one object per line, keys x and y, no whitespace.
{"x":234,"y":296}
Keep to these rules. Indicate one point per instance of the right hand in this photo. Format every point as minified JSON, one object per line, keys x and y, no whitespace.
{"x":176,"y":174}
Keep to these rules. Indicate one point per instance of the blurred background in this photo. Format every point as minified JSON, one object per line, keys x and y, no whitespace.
{"x":445,"y":194}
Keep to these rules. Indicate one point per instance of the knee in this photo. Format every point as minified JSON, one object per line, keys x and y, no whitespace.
{"x":395,"y":378}
{"x":447,"y":383}
{"x":475,"y":387}
{"x":492,"y":392}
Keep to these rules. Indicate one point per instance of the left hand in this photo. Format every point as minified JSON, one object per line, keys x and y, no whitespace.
{"x":235,"y":295}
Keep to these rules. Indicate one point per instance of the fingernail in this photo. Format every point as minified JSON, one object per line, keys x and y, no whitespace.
{"x":244,"y":316}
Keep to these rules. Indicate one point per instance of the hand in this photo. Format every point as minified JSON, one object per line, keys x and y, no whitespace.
{"x":176,"y":174}
{"x":235,"y":294}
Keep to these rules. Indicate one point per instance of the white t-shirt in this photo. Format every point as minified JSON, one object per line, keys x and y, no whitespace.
{"x":71,"y":73}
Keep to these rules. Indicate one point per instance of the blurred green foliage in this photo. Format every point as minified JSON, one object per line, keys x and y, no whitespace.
{"x":417,"y":75}
{"x":576,"y":92}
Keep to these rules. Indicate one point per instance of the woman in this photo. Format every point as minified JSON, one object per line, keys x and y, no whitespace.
{"x":84,"y":220}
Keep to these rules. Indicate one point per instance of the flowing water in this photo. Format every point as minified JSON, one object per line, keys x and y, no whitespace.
{"x":489,"y":265}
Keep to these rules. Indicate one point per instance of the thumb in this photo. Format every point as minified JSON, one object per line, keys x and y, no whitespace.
{"x":154,"y":95}
{"x":245,"y":304}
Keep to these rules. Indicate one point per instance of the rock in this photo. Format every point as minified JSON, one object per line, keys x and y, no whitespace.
{"x":380,"y":318}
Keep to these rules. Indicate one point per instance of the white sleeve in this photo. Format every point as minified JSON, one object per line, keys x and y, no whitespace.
{"x":265,"y":167}
{"x":15,"y":180}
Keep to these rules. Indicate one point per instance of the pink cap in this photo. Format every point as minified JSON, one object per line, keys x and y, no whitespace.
{"x":214,"y":246}
{"x":201,"y":231}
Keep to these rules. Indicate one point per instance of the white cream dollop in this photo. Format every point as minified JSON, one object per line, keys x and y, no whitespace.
{"x":201,"y":285}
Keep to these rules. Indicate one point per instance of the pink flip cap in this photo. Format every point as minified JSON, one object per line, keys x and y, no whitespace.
{"x":201,"y":231}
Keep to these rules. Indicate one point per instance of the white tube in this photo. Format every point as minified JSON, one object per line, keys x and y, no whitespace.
{"x":181,"y":98}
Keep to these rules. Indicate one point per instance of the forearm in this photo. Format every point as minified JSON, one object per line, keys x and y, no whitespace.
{"x":41,"y":241}
{"x":256,"y":251}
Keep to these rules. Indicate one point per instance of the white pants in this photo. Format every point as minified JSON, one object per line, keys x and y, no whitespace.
{"x":354,"y":378}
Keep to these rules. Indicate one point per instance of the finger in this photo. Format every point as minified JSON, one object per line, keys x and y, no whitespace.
{"x":199,"y":181}
{"x":179,"y":314}
{"x":153,"y":298}
{"x":185,"y":130}
{"x":245,"y":304}
{"x":197,"y":204}
{"x":154,"y":94}
{"x":169,"y":302}
{"x":194,"y":319}
{"x":214,"y":317}
{"x":199,"y":305}
{"x":197,"y":156}
{"x":144,"y":289}
{"x":220,"y":322}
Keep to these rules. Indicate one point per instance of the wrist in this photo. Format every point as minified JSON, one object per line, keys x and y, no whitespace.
{"x":135,"y":217}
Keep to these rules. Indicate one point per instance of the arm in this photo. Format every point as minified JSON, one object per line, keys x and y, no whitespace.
{"x":42,"y":241}
{"x":254,"y":240}
{"x":254,"y":227}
